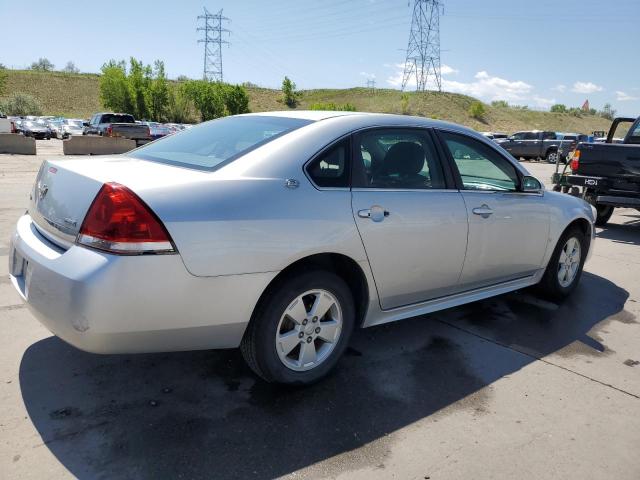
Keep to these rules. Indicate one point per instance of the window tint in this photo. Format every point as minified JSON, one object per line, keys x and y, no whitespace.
{"x":208,"y":145}
{"x":518,"y":136}
{"x":634,"y":136}
{"x":397,"y":159}
{"x":480,"y":167}
{"x":530,"y":136}
{"x":549,"y":136}
{"x":331,"y":168}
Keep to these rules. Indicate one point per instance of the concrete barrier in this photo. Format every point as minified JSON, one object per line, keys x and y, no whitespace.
{"x":14,"y":143}
{"x":95,"y":145}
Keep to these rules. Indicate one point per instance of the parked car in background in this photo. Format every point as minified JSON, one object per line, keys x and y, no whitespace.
{"x":120,"y":125}
{"x":568,"y":143}
{"x":34,"y":129}
{"x":495,"y":135}
{"x":282,"y":232}
{"x":158,"y":130}
{"x":56,"y":128}
{"x":608,"y":174}
{"x":72,"y":126}
{"x":532,"y":144}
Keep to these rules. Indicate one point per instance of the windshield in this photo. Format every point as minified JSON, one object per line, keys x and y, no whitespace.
{"x":210,"y":145}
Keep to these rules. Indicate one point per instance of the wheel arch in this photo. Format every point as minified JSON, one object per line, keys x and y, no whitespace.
{"x":342,"y":265}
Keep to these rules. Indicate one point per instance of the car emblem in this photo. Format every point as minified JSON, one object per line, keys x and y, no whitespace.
{"x":42,"y":191}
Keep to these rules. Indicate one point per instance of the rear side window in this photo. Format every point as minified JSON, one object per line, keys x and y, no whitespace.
{"x":115,"y":118}
{"x":634,"y":136}
{"x":530,"y":136}
{"x":213,"y":144}
{"x":331,"y":168}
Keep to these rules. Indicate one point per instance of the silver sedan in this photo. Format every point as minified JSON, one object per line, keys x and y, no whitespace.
{"x":282,"y":232}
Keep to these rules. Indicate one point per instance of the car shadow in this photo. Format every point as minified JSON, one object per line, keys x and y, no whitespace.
{"x":204,"y":414}
{"x":624,"y":230}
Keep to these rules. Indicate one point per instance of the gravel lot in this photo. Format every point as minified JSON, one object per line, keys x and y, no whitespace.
{"x":511,"y":387}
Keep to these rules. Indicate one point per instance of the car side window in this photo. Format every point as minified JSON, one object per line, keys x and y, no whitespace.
{"x":530,"y":136}
{"x":518,"y":136}
{"x":549,"y":136}
{"x":480,"y":166}
{"x":331,"y":168}
{"x":397,"y":159}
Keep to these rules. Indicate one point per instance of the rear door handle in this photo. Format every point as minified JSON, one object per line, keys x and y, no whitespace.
{"x":375,"y":213}
{"x":484,"y":211}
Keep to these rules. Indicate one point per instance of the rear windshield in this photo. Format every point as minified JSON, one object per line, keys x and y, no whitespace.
{"x":114,"y":118}
{"x":212,"y":144}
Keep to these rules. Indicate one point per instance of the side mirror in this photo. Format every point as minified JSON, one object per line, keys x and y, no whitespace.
{"x":531,"y":185}
{"x":85,"y":124}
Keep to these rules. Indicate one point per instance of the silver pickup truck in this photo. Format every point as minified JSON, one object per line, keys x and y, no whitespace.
{"x":120,"y":125}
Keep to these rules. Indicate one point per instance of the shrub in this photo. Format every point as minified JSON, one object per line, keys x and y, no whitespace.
{"x":404,"y":103}
{"x":3,"y":79}
{"x":236,"y":99}
{"x":21,"y":104}
{"x":559,"y":108}
{"x":500,"y":104}
{"x":607,"y":112}
{"x":477,"y":110}
{"x":347,"y":107}
{"x":70,"y":67}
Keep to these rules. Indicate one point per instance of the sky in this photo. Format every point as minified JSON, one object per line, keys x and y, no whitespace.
{"x":527,"y":52}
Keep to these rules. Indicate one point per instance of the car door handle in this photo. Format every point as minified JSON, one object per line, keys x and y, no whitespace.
{"x":484,"y":211}
{"x":375,"y":213}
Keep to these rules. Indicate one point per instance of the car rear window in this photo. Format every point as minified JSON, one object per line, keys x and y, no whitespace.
{"x":211,"y":145}
{"x":112,"y":118}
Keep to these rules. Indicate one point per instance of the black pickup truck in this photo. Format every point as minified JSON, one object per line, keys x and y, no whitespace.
{"x":535,"y":144}
{"x":117,"y":125}
{"x":608,"y":174}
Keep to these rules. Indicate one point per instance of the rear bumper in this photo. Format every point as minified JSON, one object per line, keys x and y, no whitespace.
{"x":106,"y":303}
{"x":618,"y":201}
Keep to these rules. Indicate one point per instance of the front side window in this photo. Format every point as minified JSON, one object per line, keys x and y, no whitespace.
{"x":480,"y":167}
{"x":212,"y":144}
{"x":331,"y":168}
{"x":530,"y":136}
{"x":397,"y":159}
{"x":517,"y":136}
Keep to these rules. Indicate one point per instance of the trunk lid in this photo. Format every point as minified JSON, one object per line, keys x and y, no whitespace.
{"x":64,"y":189}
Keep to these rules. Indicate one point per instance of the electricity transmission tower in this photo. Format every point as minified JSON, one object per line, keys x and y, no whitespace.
{"x":423,"y":51}
{"x":371,"y":84}
{"x":213,"y":41}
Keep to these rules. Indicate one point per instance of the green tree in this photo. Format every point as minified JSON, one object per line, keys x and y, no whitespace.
{"x":477,"y":110}
{"x":179,"y":107}
{"x":559,"y":108}
{"x":114,"y":87}
{"x":70,"y":67}
{"x":207,"y":97}
{"x":500,"y":104}
{"x":236,"y":99}
{"x":21,"y":104}
{"x":158,"y":92}
{"x":289,"y":94}
{"x":43,"y":65}
{"x":139,"y":81}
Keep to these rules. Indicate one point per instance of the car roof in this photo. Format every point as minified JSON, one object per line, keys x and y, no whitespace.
{"x":314,"y":115}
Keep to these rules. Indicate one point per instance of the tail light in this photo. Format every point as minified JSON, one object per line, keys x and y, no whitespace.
{"x":118,"y":221}
{"x":109,"y":131}
{"x":575,"y":161}
{"x":13,"y":128}
{"x":148,"y":132}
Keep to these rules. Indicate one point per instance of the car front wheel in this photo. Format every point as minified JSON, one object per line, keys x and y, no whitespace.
{"x":300,"y":329}
{"x":552,"y":156}
{"x":565,"y":266}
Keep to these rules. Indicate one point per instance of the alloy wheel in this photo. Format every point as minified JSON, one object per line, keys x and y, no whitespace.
{"x":569,"y":262}
{"x":308,"y":330}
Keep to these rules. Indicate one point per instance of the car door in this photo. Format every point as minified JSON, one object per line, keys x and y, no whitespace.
{"x":531,"y":145}
{"x":412,"y":222}
{"x":515,"y":144}
{"x":508,"y":228}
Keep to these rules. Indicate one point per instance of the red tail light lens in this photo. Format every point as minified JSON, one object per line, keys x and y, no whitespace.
{"x":109,"y":131}
{"x":118,"y":221}
{"x":575,"y":161}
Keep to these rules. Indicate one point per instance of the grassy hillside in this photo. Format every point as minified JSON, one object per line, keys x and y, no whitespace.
{"x":76,"y":95}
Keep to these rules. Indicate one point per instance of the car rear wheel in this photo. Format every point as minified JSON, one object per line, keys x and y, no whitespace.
{"x":552,"y":156}
{"x":565,"y":267}
{"x":300,"y":330}
{"x":603,"y":214}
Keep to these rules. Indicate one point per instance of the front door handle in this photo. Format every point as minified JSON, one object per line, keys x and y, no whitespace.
{"x":375,"y":213}
{"x":484,"y":211}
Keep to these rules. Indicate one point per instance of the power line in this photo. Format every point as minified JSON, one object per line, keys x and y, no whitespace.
{"x":423,"y":51}
{"x":213,"y":31}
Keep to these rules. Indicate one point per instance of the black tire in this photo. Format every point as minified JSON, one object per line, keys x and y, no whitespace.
{"x":258,"y":345}
{"x":552,"y":156}
{"x":603,"y":214}
{"x":550,"y":285}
